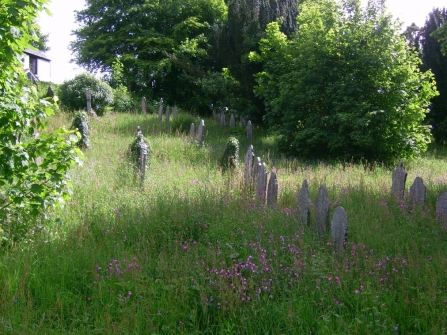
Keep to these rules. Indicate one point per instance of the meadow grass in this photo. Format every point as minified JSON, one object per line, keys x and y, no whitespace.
{"x":192,"y":253}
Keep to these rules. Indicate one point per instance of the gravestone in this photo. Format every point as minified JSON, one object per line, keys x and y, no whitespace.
{"x":399,"y":178}
{"x":143,"y":105}
{"x":256,"y":166}
{"x":261,"y":183}
{"x":248,"y":170}
{"x":304,"y":204}
{"x":441,"y":207}
{"x":214,"y":115}
{"x":232,"y":121}
{"x":201,"y":132}
{"x":160,"y":110}
{"x":167,"y":114}
{"x":322,"y":209}
{"x":88,"y":96}
{"x":50,"y":92}
{"x":192,"y":130}
{"x":272,"y":191}
{"x":222,"y":120}
{"x":339,"y":227}
{"x":418,"y":192}
{"x":249,"y":131}
{"x":175,"y":113}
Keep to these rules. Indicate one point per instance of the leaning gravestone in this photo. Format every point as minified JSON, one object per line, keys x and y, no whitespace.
{"x":167,"y":114}
{"x":249,"y":131}
{"x":418,"y":192}
{"x":249,"y":156}
{"x":339,"y":227}
{"x":192,"y":130}
{"x":399,"y":178}
{"x":143,"y":105}
{"x":201,"y":132}
{"x":272,"y":191}
{"x":232,"y":121}
{"x":160,"y":110}
{"x":441,"y":207}
{"x":304,"y":204}
{"x":322,"y":209}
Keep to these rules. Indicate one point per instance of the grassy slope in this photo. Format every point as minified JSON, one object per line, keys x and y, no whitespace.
{"x":192,"y":254}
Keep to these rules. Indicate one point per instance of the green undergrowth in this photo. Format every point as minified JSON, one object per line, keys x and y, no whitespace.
{"x":191,"y":253}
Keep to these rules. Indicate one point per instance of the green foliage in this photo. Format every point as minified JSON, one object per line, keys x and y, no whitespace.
{"x":34,"y":162}
{"x":72,"y":93}
{"x":81,"y":124}
{"x":347,"y":86}
{"x":230,"y":157}
{"x":139,"y":145}
{"x":182,"y":123}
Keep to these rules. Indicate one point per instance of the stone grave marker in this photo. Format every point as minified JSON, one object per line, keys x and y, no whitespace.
{"x":249,"y":132}
{"x":160,"y":110}
{"x":248,"y":169}
{"x":272,"y":191}
{"x":256,"y":166}
{"x":339,"y":227}
{"x":192,"y":130}
{"x":232,"y":121}
{"x":88,"y":96}
{"x":222,"y":120}
{"x":398,"y":184}
{"x":175,"y":113}
{"x":167,"y":114}
{"x":143,"y":105}
{"x":201,"y":132}
{"x":418,"y":192}
{"x":261,"y":183}
{"x":304,"y":204}
{"x":322,"y":209}
{"x":441,"y":207}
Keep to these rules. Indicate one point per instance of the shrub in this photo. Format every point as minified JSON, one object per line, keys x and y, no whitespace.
{"x":72,"y":93}
{"x":80,"y":123}
{"x":122,"y":101}
{"x":182,"y":123}
{"x":230,"y":158}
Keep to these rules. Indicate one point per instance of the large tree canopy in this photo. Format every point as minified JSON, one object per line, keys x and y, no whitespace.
{"x":346,"y":87}
{"x":156,"y":41}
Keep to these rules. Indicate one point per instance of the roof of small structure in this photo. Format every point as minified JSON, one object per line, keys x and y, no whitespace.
{"x":37,"y":54}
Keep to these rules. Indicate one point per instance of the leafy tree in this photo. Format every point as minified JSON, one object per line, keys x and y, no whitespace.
{"x":434,"y":60}
{"x":347,"y":86}
{"x":33,"y":162}
{"x":40,"y":41}
{"x":163,"y":45}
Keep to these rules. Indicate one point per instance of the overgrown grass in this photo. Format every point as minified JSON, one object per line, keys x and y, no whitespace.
{"x":192,"y":254}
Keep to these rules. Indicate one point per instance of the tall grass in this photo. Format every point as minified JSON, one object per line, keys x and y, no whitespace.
{"x":191,"y":253}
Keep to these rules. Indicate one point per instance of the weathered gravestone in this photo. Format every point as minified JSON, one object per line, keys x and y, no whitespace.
{"x":261,"y":184}
{"x":143,"y":105}
{"x":249,"y":132}
{"x":167,"y":114}
{"x":272,"y":191}
{"x":50,"y":92}
{"x":322,"y":209}
{"x":304,"y":204}
{"x":339,"y":227}
{"x":399,"y":178}
{"x":441,"y":207}
{"x":232,"y":121}
{"x":192,"y":130}
{"x":418,"y":192}
{"x":175,"y":113}
{"x":248,"y":170}
{"x":222,"y":120}
{"x":88,"y":96}
{"x":256,"y":166}
{"x":160,"y":110}
{"x":201,"y":132}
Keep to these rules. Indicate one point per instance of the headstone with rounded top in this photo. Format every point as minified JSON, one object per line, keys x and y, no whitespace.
{"x":322,"y":209}
{"x":418,"y":191}
{"x":398,"y":181}
{"x":272,"y":191}
{"x":339,"y":227}
{"x":304,"y":204}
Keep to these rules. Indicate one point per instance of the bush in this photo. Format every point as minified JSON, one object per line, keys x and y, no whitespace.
{"x":72,"y":93}
{"x":80,"y":123}
{"x":122,"y":101}
{"x":230,"y":158}
{"x":182,"y":123}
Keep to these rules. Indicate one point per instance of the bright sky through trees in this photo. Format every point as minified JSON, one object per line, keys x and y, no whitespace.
{"x":60,"y":25}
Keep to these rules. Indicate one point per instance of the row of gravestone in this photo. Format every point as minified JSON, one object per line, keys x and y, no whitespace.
{"x":221,"y":118}
{"x":418,"y":191}
{"x":255,"y":175}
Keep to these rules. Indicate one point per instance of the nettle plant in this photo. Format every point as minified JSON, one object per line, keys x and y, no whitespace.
{"x":230,"y":157}
{"x":33,"y":161}
{"x":80,"y":123}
